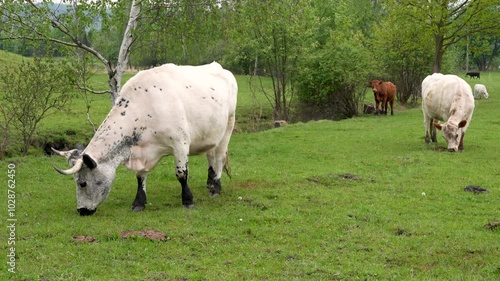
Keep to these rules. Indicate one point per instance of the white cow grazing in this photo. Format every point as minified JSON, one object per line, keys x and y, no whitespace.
{"x":166,"y":110}
{"x":480,"y":91}
{"x":447,"y":98}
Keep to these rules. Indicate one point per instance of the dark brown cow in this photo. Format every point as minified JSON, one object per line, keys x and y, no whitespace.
{"x":384,"y":92}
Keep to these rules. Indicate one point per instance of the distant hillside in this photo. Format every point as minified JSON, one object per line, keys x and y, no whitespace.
{"x":9,"y":59}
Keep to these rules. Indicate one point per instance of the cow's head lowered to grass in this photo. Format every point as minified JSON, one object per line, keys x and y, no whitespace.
{"x":167,"y":110}
{"x":452,"y":134}
{"x":93,"y":181}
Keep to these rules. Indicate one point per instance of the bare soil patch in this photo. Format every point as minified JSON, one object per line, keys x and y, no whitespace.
{"x":492,"y":225}
{"x":84,"y":239}
{"x":148,"y":233}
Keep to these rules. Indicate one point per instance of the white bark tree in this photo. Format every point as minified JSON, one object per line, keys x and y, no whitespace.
{"x":35,"y":21}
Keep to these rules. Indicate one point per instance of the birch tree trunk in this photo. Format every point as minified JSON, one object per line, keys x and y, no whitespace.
{"x":115,"y":75}
{"x":39,"y":27}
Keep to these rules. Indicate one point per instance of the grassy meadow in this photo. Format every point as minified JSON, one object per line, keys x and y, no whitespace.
{"x":358,"y":199}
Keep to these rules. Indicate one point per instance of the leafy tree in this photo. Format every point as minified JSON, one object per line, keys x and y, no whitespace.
{"x":38,"y":21}
{"x":278,"y":33}
{"x":183,"y":32}
{"x":450,"y":21}
{"x":332,"y":77}
{"x":29,"y":93}
{"x":401,"y":55}
{"x":484,"y":49}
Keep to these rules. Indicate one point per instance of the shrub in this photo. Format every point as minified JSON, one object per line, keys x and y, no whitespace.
{"x":30,"y":92}
{"x":332,"y":80}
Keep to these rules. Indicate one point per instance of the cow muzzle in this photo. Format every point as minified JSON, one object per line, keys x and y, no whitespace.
{"x":85,"y":211}
{"x":453,"y":149}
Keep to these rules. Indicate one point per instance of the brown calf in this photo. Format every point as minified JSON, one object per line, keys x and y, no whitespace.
{"x":384,"y":92}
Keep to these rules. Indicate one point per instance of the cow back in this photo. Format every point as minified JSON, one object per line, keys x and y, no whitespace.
{"x":446,"y":95}
{"x":163,"y":107}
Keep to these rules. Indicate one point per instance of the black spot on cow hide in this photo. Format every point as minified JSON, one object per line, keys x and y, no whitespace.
{"x":123,"y":113}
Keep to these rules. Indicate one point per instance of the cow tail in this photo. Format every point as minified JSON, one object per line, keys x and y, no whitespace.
{"x":227,"y":168}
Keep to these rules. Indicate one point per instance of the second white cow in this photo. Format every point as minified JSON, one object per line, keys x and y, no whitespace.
{"x":480,"y":91}
{"x":447,"y":98}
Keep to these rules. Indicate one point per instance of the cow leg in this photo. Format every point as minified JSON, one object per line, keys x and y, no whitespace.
{"x":140,"y":198}
{"x":377,"y":102}
{"x":213,"y":181}
{"x":181,"y":172}
{"x":392,"y":105}
{"x":429,"y":129}
{"x":377,"y":109}
{"x":461,"y":144}
{"x":384,"y":106}
{"x":433,"y":131}
{"x":217,"y":158}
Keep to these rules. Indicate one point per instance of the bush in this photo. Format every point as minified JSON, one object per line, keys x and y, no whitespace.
{"x":401,"y":54}
{"x":30,"y":92}
{"x":332,"y":80}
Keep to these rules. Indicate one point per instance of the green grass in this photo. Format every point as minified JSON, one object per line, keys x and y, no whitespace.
{"x":298,"y":217}
{"x":8,"y":59}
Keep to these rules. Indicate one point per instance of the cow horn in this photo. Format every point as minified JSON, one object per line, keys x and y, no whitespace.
{"x":74,"y":169}
{"x":61,"y":153}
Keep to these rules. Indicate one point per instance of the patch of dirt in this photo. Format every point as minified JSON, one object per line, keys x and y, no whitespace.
{"x":148,"y":233}
{"x":440,"y":148}
{"x":247,"y":185}
{"x":349,"y":177}
{"x":475,"y":189}
{"x":492,"y":225}
{"x":403,"y":232}
{"x":84,"y":239}
{"x":331,"y":179}
{"x":401,"y":107}
{"x":426,"y":267}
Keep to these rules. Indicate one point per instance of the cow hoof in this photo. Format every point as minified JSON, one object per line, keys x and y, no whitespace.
{"x":188,"y":206}
{"x":138,"y":208}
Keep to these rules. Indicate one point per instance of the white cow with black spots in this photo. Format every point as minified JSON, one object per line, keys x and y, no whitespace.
{"x":166,"y":110}
{"x":447,"y":98}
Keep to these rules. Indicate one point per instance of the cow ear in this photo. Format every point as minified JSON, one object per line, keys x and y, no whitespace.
{"x":89,"y":162}
{"x":438,"y":126}
{"x":462,"y":123}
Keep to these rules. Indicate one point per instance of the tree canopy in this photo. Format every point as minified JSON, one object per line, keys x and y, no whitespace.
{"x":295,"y":42}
